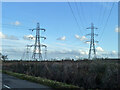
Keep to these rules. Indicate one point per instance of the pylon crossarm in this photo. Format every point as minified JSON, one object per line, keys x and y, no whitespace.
{"x":87,"y":41}
{"x":88,"y":28}
{"x":43,"y":37}
{"x":95,"y":28}
{"x":43,"y":29}
{"x":96,"y":34}
{"x":44,"y":46}
{"x":29,"y":45}
{"x":31,"y":37}
{"x":32,"y":29}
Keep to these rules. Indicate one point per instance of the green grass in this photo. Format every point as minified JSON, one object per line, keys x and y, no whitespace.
{"x":49,"y":83}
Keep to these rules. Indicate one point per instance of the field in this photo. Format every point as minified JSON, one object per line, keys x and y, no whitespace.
{"x":82,"y":73}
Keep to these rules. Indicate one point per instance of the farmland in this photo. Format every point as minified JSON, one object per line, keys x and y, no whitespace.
{"x":82,"y":73}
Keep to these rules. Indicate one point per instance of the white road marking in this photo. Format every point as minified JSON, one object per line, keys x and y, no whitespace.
{"x":7,"y":86}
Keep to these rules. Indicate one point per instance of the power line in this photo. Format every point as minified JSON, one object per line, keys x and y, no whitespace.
{"x":79,"y":14}
{"x":100,"y":14}
{"x":74,"y":17}
{"x":92,"y":12}
{"x":82,"y":11}
{"x":104,"y":28}
{"x":102,"y":18}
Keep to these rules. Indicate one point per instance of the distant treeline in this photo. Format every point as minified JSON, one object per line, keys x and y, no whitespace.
{"x":55,"y":60}
{"x":82,"y":73}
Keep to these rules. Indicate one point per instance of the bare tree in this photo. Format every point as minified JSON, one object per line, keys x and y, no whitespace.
{"x":3,"y":57}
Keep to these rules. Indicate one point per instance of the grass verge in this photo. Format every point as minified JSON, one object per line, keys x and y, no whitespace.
{"x":43,"y":81}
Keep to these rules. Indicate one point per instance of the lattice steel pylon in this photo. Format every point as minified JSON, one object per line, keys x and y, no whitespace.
{"x":45,"y":57}
{"x":92,"y":41}
{"x":26,"y":53}
{"x":37,"y":45}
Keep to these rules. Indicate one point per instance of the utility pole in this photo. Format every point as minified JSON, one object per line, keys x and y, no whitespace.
{"x":37,"y":46}
{"x":92,"y":41}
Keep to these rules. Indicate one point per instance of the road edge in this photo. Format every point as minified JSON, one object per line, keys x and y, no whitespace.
{"x":43,"y":81}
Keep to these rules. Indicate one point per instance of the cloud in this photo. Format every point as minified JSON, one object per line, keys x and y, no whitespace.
{"x":99,"y":49}
{"x":37,"y":51}
{"x":62,"y":38}
{"x":80,"y":38}
{"x":28,"y":37}
{"x":77,"y":36}
{"x":114,"y":52}
{"x":69,"y":52}
{"x":83,"y":52}
{"x":61,"y":44}
{"x":16,"y":23}
{"x":11,"y":37}
{"x":117,"y":29}
{"x":2,"y":35}
{"x":110,"y":54}
{"x":77,"y":57}
{"x":87,"y":42}
{"x":13,"y":53}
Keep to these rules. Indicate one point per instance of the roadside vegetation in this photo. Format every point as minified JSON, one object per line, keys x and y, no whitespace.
{"x":47,"y":82}
{"x":82,"y":73}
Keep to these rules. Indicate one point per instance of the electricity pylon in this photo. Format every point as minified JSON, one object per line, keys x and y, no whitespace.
{"x":26,"y":53}
{"x":42,"y":45}
{"x":92,"y":41}
{"x":45,"y":57}
{"x":37,"y":46}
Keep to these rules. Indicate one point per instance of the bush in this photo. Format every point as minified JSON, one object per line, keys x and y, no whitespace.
{"x":85,"y":73}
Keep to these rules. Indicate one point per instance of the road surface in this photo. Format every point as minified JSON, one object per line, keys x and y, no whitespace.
{"x":10,"y":82}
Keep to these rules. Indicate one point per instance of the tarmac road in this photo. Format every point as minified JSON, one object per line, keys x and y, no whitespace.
{"x":10,"y":82}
